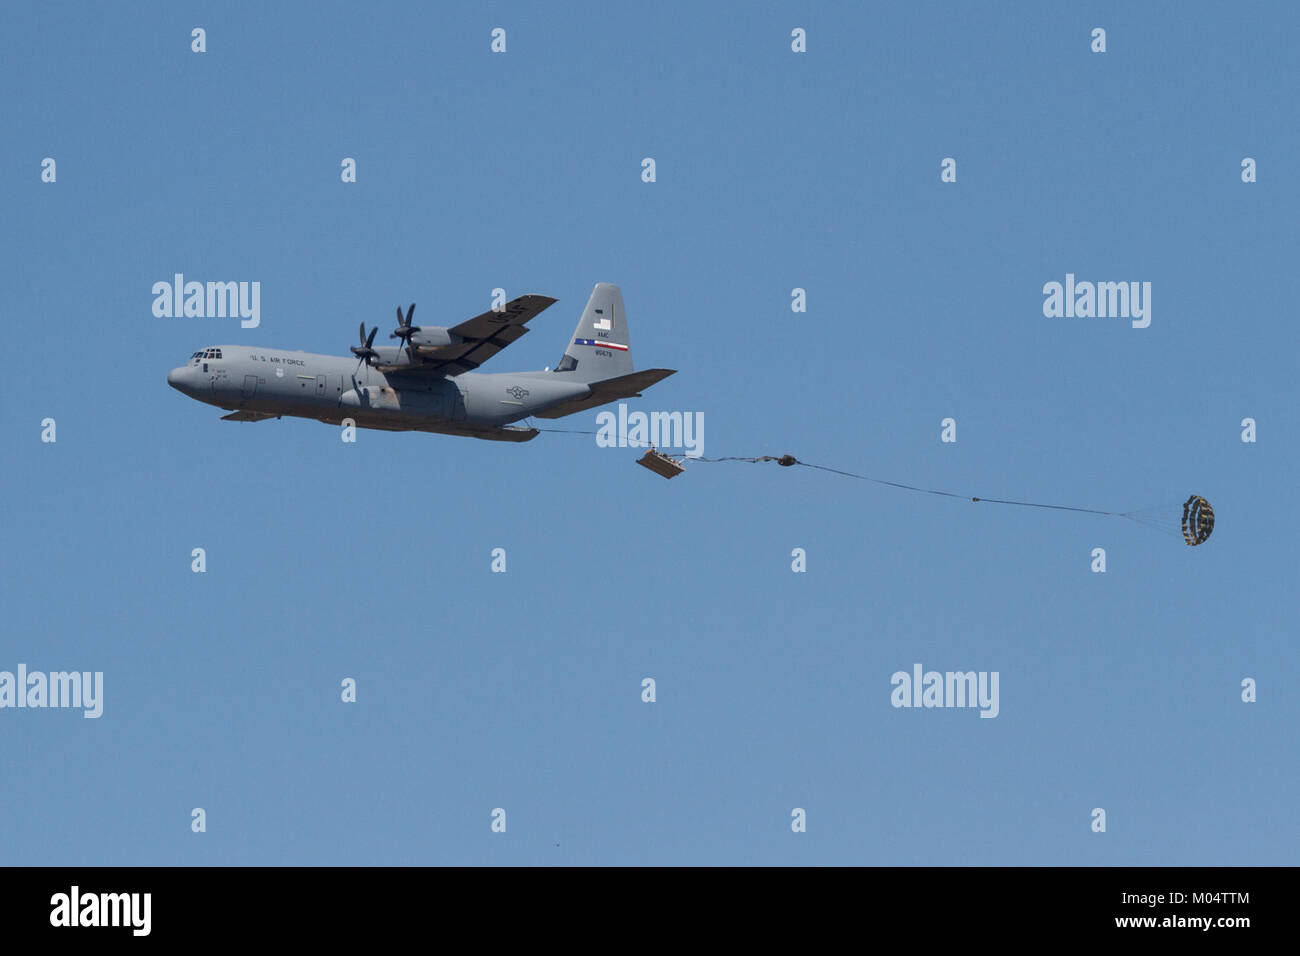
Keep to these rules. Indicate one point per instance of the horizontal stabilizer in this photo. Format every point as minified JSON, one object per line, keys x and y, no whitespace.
{"x":610,"y":390}
{"x":246,"y":416}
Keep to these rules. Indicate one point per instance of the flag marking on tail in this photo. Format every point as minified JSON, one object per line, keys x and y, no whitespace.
{"x":600,"y":345}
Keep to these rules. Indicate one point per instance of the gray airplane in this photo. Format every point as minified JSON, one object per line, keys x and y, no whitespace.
{"x":428,"y":381}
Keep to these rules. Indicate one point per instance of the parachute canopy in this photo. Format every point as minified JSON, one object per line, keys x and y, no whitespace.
{"x":1198,"y":520}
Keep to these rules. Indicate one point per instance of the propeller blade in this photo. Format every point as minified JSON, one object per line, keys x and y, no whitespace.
{"x":404,"y":327}
{"x":364,"y":352}
{"x":404,"y":330}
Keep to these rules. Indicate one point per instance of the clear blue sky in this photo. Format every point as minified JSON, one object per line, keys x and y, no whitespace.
{"x":522,"y":690}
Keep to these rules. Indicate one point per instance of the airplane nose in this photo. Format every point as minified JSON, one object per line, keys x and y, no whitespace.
{"x":174,"y":378}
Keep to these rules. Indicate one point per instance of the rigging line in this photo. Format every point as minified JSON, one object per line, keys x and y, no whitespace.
{"x":949,"y":494}
{"x":927,"y":491}
{"x":881,"y":481}
{"x":791,"y":460}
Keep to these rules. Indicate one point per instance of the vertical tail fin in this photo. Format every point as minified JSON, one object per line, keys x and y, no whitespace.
{"x":599,"y":348}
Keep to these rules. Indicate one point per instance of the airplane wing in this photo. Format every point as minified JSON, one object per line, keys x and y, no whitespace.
{"x":484,"y":336}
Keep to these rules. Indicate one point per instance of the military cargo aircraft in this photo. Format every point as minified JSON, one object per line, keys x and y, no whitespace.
{"x":428,"y":382}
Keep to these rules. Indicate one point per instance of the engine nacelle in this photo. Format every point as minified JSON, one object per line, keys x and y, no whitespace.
{"x":434,"y":335}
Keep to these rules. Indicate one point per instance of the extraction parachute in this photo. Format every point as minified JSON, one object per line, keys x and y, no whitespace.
{"x":1198,"y":520}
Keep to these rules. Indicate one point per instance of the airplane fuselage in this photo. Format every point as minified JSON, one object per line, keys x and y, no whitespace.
{"x":331,"y":388}
{"x":430,"y":381}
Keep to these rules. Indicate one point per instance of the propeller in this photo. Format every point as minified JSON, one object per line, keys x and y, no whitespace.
{"x":364,"y":352}
{"x":405,"y":329}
